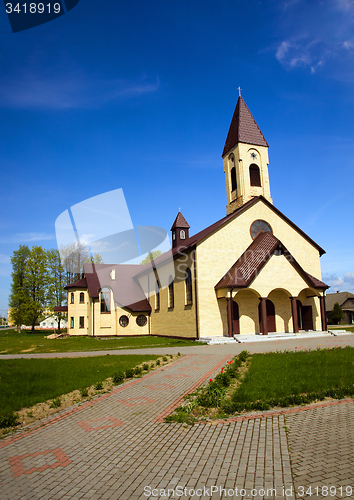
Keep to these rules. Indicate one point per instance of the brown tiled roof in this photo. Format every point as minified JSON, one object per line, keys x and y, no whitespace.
{"x":247,"y":267}
{"x":126,"y":290}
{"x":82,"y":283}
{"x":180,"y":222}
{"x":243,"y":128}
{"x":340,"y":297}
{"x":190,"y":243}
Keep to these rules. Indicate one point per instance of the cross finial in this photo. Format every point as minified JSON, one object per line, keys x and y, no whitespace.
{"x":239,"y":91}
{"x":179,"y":209}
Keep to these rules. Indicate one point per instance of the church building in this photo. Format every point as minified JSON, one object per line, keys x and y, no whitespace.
{"x":252,"y":272}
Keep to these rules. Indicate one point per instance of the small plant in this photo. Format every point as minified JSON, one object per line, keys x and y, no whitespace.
{"x":98,"y":386}
{"x":145,"y":366}
{"x":84,"y":392}
{"x":138,"y":370}
{"x":30,"y":414}
{"x":158,"y":362}
{"x":171,"y":356}
{"x":8,"y":420}
{"x":164,"y":359}
{"x":178,"y":354}
{"x":55,"y":403}
{"x":129,"y":373}
{"x":118,"y":378}
{"x":152,"y":365}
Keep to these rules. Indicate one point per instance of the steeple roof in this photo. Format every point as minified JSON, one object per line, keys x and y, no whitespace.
{"x":180,"y":222}
{"x":243,"y":128}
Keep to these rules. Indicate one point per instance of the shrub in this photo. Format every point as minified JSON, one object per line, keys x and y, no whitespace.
{"x":145,"y":366}
{"x":55,"y":403}
{"x":129,"y":373}
{"x":118,"y":378}
{"x":164,"y":359}
{"x":152,"y":365}
{"x":158,"y":362}
{"x":138,"y":370}
{"x":8,"y":420}
{"x":84,"y":392}
{"x":98,"y":386}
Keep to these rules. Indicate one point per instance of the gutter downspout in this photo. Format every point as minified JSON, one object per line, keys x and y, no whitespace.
{"x":195,"y":292}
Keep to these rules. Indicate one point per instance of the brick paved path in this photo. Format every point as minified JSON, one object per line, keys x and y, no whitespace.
{"x":116,"y":445}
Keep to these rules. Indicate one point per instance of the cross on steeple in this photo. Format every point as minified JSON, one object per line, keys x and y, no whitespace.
{"x":239,"y":91}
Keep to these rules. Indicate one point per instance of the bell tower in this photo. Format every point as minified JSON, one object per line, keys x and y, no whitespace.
{"x":245,"y":159}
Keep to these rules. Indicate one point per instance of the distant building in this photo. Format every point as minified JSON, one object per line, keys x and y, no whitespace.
{"x":50,"y":320}
{"x":346,"y":301}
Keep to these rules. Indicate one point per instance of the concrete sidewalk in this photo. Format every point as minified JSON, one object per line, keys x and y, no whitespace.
{"x":117,"y":446}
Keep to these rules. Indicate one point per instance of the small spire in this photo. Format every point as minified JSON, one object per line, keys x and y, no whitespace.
{"x":239,"y":91}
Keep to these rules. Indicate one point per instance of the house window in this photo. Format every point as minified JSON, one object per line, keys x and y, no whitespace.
{"x":233,"y":179}
{"x":189,"y":290}
{"x":71,"y":322}
{"x":72,"y":298}
{"x":171,"y":293}
{"x":157,"y":297}
{"x":141,"y":320}
{"x":182,"y":234}
{"x":82,"y":297}
{"x":82,"y":322}
{"x":124,"y":321}
{"x":255,"y":177}
{"x":105,"y":301}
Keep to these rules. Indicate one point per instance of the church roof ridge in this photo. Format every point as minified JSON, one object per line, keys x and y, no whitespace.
{"x":243,"y":128}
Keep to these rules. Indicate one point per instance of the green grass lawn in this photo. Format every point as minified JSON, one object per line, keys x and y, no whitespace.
{"x":12,"y":342}
{"x":25,"y":382}
{"x":338,"y":327}
{"x":276,"y":375}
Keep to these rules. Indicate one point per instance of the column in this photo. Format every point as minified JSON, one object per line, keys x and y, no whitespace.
{"x":294,"y":314}
{"x":264,"y":315}
{"x":229,"y":316}
{"x":323,"y":313}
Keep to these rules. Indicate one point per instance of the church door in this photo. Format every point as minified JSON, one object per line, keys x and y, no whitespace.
{"x":235,"y":319}
{"x":270,"y":317}
{"x":307,"y":321}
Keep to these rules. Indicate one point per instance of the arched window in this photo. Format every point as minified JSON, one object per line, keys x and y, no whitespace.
{"x":82,"y":297}
{"x":189,"y":289}
{"x":171,"y":293}
{"x":233,"y":179}
{"x":157,"y":297}
{"x":72,"y":298}
{"x":255,"y":177}
{"x":105,"y":300}
{"x":182,"y":234}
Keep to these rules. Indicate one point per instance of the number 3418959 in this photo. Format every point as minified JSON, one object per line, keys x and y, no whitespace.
{"x":33,"y":8}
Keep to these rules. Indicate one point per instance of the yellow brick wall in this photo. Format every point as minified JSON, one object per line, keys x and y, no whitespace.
{"x":217,"y":253}
{"x":179,"y":321}
{"x":76,"y":310}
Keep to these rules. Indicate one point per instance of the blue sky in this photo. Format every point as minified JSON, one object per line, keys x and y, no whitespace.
{"x":139,"y":95}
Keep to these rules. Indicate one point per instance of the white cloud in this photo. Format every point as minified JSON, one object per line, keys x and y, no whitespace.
{"x":349,"y":277}
{"x":30,"y":90}
{"x":28,"y":237}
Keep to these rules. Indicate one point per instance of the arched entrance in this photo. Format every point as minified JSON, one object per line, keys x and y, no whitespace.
{"x":305,"y":318}
{"x":270,"y":316}
{"x":235,"y":319}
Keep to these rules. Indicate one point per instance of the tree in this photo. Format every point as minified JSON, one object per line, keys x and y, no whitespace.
{"x":18,"y":293}
{"x":151,"y":256}
{"x":36,"y":280}
{"x":337,"y":313}
{"x":73,"y":258}
{"x":56,"y":293}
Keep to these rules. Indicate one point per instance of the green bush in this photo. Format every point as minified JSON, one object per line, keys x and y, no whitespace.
{"x":138,"y":370}
{"x":98,"y":386}
{"x":118,"y":378}
{"x":55,"y":403}
{"x":145,"y":367}
{"x":84,"y":392}
{"x":129,"y":373}
{"x":8,"y":420}
{"x":164,"y":359}
{"x":158,"y":362}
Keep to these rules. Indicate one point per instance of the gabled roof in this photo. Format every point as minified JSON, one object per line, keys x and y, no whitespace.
{"x":180,"y":222}
{"x":82,"y":283}
{"x":243,"y":128}
{"x":126,"y":291}
{"x":247,"y":267}
{"x":340,"y":297}
{"x":190,"y":243}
